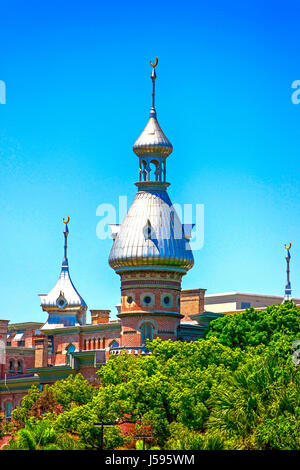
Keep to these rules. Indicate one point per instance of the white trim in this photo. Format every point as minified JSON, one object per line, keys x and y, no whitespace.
{"x":227,"y":294}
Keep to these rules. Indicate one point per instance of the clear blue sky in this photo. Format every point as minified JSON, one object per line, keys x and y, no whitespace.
{"x":79,"y":94}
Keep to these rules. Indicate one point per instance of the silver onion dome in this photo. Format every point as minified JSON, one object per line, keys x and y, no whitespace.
{"x":151,"y":235}
{"x":152,"y":140}
{"x":64,"y":291}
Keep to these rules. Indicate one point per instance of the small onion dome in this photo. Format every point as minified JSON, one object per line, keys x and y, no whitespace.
{"x":63,"y":289}
{"x":152,"y":140}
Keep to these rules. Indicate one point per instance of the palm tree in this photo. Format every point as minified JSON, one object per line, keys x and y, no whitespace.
{"x":40,"y":435}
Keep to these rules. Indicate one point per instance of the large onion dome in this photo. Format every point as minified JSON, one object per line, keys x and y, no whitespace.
{"x":151,"y":235}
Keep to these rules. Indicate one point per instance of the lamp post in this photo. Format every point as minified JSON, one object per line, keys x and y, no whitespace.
{"x":144,"y":436}
{"x":103,"y":425}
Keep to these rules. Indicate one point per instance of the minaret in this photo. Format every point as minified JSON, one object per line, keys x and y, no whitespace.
{"x":64,"y":305}
{"x":151,"y":250}
{"x":288,"y":288}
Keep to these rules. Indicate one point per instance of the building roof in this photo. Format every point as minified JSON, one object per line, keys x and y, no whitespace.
{"x":63,"y":289}
{"x":151,"y":235}
{"x":227,"y":294}
{"x":24,"y":326}
{"x":152,"y":140}
{"x":64,"y":294}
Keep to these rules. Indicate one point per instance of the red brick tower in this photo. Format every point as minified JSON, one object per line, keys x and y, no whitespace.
{"x":151,"y":250}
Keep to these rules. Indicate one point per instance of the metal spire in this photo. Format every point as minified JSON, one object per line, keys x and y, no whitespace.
{"x":153,"y":78}
{"x":66,"y":233}
{"x":288,"y":289}
{"x":152,"y":146}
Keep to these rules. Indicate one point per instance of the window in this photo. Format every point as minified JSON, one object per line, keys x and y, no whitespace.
{"x":147,"y":299}
{"x":11,"y":366}
{"x":166,"y":300}
{"x":245,"y":304}
{"x":50,"y":344}
{"x":148,"y":231}
{"x":8,"y":410}
{"x":21,"y":344}
{"x":130,"y":299}
{"x":61,"y":301}
{"x":70,"y":349}
{"x":20,"y":367}
{"x":146,"y":333}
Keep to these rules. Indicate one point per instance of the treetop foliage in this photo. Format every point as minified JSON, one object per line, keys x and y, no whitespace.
{"x":238,"y":388}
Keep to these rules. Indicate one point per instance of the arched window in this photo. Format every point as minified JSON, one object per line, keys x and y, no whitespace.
{"x":146,"y":332}
{"x":144,"y":174}
{"x":155,"y":170}
{"x":99,"y":343}
{"x":84,"y":344}
{"x":20,"y":367}
{"x":11,"y":366}
{"x":70,"y":349}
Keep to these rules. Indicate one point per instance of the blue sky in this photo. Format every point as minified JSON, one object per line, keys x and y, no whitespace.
{"x":79,"y":94}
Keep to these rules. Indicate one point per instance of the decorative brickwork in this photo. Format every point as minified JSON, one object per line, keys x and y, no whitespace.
{"x":99,"y":316}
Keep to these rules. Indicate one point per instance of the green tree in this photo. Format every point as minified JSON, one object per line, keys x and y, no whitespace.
{"x":75,"y":389}
{"x":255,"y":327}
{"x":22,"y":413}
{"x":236,"y":389}
{"x":40,"y":435}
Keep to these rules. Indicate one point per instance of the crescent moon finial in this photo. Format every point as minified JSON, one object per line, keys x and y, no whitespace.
{"x":155,"y":63}
{"x":66,"y":221}
{"x":288,"y":247}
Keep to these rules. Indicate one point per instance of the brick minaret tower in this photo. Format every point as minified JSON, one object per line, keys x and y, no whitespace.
{"x":151,"y":250}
